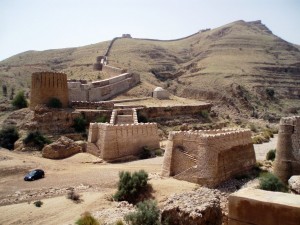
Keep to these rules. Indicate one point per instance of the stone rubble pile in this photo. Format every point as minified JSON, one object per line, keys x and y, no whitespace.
{"x":198,"y":207}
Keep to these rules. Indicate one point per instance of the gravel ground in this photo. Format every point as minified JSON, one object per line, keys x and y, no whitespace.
{"x":262,"y":149}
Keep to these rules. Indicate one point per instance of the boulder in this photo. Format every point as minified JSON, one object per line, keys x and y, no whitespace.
{"x":60,"y":149}
{"x":200,"y":207}
{"x":294,"y":183}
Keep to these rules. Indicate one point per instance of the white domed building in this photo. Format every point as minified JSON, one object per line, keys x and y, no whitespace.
{"x":160,"y":93}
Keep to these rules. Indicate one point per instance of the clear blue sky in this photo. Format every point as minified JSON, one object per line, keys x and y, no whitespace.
{"x":47,"y":24}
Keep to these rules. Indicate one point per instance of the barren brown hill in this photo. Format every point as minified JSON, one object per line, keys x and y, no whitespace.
{"x":241,"y":65}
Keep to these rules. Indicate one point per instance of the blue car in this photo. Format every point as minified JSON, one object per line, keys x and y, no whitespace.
{"x":34,"y":175}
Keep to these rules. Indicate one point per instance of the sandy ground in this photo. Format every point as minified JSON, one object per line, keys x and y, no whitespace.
{"x":94,"y":180}
{"x":88,"y":175}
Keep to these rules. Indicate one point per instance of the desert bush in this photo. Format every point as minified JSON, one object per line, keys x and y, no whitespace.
{"x":130,"y":186}
{"x":258,"y":139}
{"x":87,"y":219}
{"x":79,"y":124}
{"x":270,"y":93}
{"x":253,"y":128}
{"x":271,"y":155}
{"x":119,"y":222}
{"x":36,"y":139}
{"x":147,"y":214}
{"x":204,"y":114}
{"x":145,"y":153}
{"x":142,"y":119}
{"x":72,"y":195}
{"x":270,"y":182}
{"x":101,"y":119}
{"x":54,"y":103}
{"x":8,"y":136}
{"x":19,"y":101}
{"x":38,"y":203}
{"x":159,"y":152}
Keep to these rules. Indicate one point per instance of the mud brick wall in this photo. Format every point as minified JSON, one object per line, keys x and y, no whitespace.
{"x":218,"y":155}
{"x":116,"y":141}
{"x":47,"y":85}
{"x":92,"y":105}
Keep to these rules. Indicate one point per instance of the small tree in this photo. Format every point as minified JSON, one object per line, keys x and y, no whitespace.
{"x":8,"y":136}
{"x":54,"y":103}
{"x":131,"y":186}
{"x":270,"y":93}
{"x":147,"y":214}
{"x":20,"y":101}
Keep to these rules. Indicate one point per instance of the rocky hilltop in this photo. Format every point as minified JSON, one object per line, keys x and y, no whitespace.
{"x":241,"y":66}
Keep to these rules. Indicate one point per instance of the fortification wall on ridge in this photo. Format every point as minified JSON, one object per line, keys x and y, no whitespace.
{"x":287,"y":161}
{"x":102,"y":90}
{"x":218,"y":154}
{"x":113,"y":71}
{"x":47,"y":85}
{"x":116,"y":141}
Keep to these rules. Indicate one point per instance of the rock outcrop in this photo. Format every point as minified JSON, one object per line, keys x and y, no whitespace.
{"x":196,"y":207}
{"x":62,"y":148}
{"x":294,"y":183}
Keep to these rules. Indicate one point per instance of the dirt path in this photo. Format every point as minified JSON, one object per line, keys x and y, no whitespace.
{"x":261,"y":150}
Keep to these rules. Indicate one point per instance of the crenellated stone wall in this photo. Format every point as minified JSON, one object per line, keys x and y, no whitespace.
{"x":287,"y":161}
{"x":208,"y":157}
{"x":117,"y":141}
{"x":113,"y":71}
{"x":47,"y":85}
{"x":102,"y":90}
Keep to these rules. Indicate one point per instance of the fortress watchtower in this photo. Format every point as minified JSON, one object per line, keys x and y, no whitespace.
{"x":47,"y":85}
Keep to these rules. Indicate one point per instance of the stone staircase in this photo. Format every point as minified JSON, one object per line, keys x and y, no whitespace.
{"x":191,"y":157}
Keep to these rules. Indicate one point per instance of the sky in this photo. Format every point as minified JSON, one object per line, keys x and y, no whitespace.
{"x":51,"y":24}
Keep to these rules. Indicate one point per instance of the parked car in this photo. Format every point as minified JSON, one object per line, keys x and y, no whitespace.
{"x":34,"y":175}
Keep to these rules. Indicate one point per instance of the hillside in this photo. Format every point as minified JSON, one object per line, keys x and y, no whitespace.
{"x":242,"y":66}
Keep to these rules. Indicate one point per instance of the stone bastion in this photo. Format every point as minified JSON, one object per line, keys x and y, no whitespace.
{"x":47,"y":85}
{"x":208,"y":157}
{"x":287,"y":161}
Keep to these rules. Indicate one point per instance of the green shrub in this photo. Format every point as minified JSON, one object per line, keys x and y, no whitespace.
{"x":271,"y":155}
{"x":147,"y":214}
{"x":258,"y":139}
{"x":159,"y":152}
{"x":36,"y":139}
{"x":270,"y":182}
{"x":54,"y":103}
{"x":8,"y":136}
{"x":79,"y":124}
{"x":38,"y":203}
{"x":253,"y":128}
{"x":145,"y":153}
{"x":101,"y":119}
{"x":204,"y":114}
{"x":87,"y":219}
{"x":131,"y":186}
{"x":142,"y":118}
{"x":119,"y":222}
{"x":72,"y":195}
{"x":20,"y":101}
{"x":270,"y":93}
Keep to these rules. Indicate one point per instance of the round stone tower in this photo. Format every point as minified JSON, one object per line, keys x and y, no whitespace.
{"x":287,"y":161}
{"x":47,"y":85}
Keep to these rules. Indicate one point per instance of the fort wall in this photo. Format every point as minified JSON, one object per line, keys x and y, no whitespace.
{"x":102,"y":90}
{"x":47,"y":85}
{"x":287,"y":161}
{"x":113,"y":71}
{"x":116,"y":141}
{"x":92,"y":105}
{"x":215,"y":155}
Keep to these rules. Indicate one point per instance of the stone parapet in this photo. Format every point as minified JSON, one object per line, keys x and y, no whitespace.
{"x":92,"y":105}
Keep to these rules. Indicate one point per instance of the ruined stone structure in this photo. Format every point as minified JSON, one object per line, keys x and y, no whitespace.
{"x":160,"y":93}
{"x":258,"y":207}
{"x":287,"y":161}
{"x":103,"y":89}
{"x":122,"y":137}
{"x":113,"y":71}
{"x":47,"y":85}
{"x":208,"y":157}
